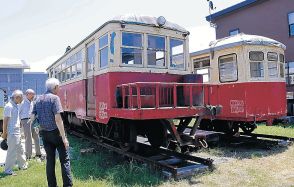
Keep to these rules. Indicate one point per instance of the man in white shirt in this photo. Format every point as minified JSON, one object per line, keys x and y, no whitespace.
{"x":30,"y":132}
{"x":11,"y":132}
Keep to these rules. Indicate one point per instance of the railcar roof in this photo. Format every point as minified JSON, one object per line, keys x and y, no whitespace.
{"x":135,"y":20}
{"x":238,"y":40}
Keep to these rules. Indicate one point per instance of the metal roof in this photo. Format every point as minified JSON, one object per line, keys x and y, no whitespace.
{"x":13,"y":63}
{"x":233,"y":8}
{"x":131,"y":19}
{"x":238,"y":40}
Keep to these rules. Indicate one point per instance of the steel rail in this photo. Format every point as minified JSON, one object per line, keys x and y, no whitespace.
{"x":190,"y":164}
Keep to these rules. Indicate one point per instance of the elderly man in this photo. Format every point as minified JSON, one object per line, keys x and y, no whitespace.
{"x":11,"y":132}
{"x":25,"y":111}
{"x":47,"y":108}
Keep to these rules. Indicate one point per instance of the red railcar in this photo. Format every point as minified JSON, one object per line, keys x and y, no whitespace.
{"x":131,"y":77}
{"x":247,"y":73}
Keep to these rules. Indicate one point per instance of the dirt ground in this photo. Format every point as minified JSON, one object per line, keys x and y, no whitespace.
{"x":240,"y":166}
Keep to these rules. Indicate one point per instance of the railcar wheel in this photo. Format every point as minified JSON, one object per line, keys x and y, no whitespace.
{"x":248,"y":128}
{"x":156,"y":133}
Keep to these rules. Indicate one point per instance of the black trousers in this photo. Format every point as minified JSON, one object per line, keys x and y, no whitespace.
{"x":52,"y":141}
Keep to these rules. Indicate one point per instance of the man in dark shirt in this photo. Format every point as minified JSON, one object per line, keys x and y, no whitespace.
{"x":47,"y":109}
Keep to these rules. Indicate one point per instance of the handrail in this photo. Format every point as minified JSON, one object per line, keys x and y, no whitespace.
{"x":163,"y":94}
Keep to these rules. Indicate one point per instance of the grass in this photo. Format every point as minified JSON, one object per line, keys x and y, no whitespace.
{"x":100,"y":169}
{"x":234,"y":167}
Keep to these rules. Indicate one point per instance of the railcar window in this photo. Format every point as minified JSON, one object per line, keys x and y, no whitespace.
{"x":68,"y":73}
{"x":256,"y":56}
{"x":202,"y":66}
{"x":272,"y":64}
{"x":156,"y":50}
{"x":201,"y":62}
{"x":256,"y":64}
{"x":79,"y":68}
{"x":73,"y":71}
{"x":272,"y":56}
{"x":282,"y":66}
{"x":256,"y":69}
{"x":228,"y":69}
{"x":272,"y":69}
{"x":91,"y":57}
{"x":63,"y":76}
{"x":112,"y":47}
{"x":176,"y":53}
{"x":103,"y":51}
{"x":131,"y":51}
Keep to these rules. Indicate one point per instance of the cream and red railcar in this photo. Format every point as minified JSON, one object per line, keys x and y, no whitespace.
{"x":128,"y":78}
{"x":248,"y":81}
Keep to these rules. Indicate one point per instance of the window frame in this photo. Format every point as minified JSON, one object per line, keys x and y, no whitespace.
{"x":132,"y":47}
{"x":95,"y":55}
{"x":256,"y":61}
{"x":289,"y":25}
{"x":170,"y":54}
{"x":234,"y":30}
{"x":201,"y":67}
{"x":165,"y":51}
{"x":219,"y":76}
{"x":276,"y":61}
{"x":102,"y":48}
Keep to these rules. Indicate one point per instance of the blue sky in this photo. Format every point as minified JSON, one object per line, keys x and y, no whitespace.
{"x":38,"y":31}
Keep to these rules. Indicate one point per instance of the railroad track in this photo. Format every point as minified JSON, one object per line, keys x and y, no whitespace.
{"x":172,"y":164}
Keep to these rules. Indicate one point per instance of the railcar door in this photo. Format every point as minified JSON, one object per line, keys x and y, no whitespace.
{"x":90,"y":83}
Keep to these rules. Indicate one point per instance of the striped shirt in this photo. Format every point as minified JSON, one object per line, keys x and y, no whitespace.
{"x":45,"y":109}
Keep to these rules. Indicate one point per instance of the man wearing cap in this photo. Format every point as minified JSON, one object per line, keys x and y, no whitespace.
{"x":11,"y":132}
{"x":30,"y":132}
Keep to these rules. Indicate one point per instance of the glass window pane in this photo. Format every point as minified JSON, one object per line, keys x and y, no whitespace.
{"x":272,"y":56}
{"x":282,"y":70}
{"x":68,"y":73}
{"x":79,"y":56}
{"x":282,"y":58}
{"x":156,"y":50}
{"x":131,"y":39}
{"x":291,"y":28}
{"x":79,"y":68}
{"x":104,"y":57}
{"x":228,"y":69}
{"x":156,"y":42}
{"x":256,"y":56}
{"x":103,"y":41}
{"x":256,"y":69}
{"x":156,"y":58}
{"x":131,"y":56}
{"x":73,"y":71}
{"x":112,"y":38}
{"x":63,"y":76}
{"x":177,"y":53}
{"x":273,"y":69}
{"x":91,"y":57}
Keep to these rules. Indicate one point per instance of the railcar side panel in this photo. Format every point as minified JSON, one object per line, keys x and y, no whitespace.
{"x":260,"y":101}
{"x":73,"y":97}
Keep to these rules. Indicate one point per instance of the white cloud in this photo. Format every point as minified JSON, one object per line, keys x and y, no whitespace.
{"x":200,"y":37}
{"x":42,"y":64}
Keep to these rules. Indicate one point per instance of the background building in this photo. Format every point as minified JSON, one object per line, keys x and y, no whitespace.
{"x":12,"y":76}
{"x":269,"y":18}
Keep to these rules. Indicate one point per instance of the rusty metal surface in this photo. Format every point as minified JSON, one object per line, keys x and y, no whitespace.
{"x":172,"y":164}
